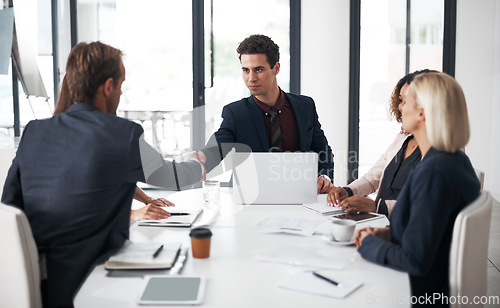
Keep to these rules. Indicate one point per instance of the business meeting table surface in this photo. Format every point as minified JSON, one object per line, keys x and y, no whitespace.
{"x":248,"y":262}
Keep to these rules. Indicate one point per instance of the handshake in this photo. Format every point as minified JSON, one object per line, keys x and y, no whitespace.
{"x":198,"y":156}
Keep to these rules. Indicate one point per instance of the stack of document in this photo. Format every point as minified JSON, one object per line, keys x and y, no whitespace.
{"x":324,"y":209}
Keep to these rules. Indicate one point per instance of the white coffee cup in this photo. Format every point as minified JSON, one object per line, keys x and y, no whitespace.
{"x":343,"y":230}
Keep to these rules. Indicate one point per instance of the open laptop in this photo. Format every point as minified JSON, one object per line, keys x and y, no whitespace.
{"x":275,"y":178}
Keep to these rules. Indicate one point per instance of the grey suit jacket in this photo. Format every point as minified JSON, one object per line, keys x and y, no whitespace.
{"x":74,"y":175}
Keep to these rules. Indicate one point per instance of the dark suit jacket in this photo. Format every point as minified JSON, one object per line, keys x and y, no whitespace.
{"x":243,"y":123}
{"x":74,"y":175}
{"x":439,"y":187}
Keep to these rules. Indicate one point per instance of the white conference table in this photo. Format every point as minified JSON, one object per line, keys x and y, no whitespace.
{"x":235,"y":278}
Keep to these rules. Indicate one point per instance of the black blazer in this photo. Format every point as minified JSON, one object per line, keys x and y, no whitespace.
{"x":422,"y":221}
{"x":243,"y":124}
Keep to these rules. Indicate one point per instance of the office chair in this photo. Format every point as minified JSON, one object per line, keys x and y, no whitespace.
{"x":19,"y":268}
{"x":469,"y":250}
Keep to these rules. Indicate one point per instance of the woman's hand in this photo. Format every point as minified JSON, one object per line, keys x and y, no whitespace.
{"x":336,"y":195}
{"x":159,"y":202}
{"x":361,"y":234}
{"x":383,"y":233}
{"x":149,"y":211}
{"x":358,"y":204}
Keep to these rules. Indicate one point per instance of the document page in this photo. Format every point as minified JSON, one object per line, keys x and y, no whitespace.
{"x":298,"y":226}
{"x":304,"y":256}
{"x":329,"y":285}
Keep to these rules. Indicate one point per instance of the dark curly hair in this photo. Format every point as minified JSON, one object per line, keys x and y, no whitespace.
{"x":396,"y":93}
{"x":260,"y":44}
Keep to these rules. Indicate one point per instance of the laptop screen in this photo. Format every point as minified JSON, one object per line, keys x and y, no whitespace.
{"x":275,"y":178}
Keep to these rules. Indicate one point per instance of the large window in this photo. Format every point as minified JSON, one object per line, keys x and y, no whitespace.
{"x":156,"y":38}
{"x":232,"y":22}
{"x":37,"y":35}
{"x":383,"y":62}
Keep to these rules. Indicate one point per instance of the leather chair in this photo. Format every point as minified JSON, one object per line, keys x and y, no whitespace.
{"x":469,"y":251}
{"x":19,"y":267}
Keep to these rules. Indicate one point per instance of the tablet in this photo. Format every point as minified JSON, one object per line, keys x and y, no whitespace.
{"x":172,"y":290}
{"x":358,"y":217}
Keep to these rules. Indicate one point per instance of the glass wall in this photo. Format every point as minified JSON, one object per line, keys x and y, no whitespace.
{"x":382,"y":62}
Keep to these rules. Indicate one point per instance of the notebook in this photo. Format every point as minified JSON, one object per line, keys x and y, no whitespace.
{"x":180,"y":218}
{"x":275,"y":178}
{"x":323,"y":208}
{"x":144,"y":256}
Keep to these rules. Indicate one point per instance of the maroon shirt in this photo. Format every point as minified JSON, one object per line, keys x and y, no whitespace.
{"x":290,"y":140}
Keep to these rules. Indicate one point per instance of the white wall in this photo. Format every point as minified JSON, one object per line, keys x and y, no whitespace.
{"x":325,"y":72}
{"x":478,"y":72}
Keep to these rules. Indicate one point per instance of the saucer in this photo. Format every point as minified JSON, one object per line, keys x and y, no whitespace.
{"x":337,"y":243}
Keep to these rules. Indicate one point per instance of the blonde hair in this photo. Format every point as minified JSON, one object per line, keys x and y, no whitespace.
{"x":445,"y":110}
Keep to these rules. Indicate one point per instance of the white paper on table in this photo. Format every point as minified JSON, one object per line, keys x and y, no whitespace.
{"x":303,"y":256}
{"x":306,"y":282}
{"x":298,"y":226}
{"x":208,"y":217}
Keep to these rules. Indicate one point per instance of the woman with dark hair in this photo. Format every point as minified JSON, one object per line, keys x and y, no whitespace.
{"x":389,"y":173}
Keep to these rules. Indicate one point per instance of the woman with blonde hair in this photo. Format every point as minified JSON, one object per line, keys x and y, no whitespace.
{"x":440,"y":186}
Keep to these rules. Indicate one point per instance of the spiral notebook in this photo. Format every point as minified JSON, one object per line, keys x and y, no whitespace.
{"x":144,"y":256}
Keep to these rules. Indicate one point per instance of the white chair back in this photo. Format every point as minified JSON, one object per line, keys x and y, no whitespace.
{"x":480,"y":176}
{"x":469,"y":250}
{"x":6,"y":157}
{"x":19,"y":268}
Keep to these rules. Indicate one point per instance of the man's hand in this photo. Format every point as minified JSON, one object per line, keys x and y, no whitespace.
{"x":201,"y":157}
{"x":198,"y":156}
{"x":335,"y":195}
{"x":324,"y":185}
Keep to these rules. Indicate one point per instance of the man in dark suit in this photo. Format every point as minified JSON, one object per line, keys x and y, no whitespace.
{"x":252,"y":121}
{"x":75,"y":174}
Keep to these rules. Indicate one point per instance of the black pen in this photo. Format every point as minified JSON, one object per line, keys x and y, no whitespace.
{"x":157,"y":252}
{"x":179,"y":214}
{"x":327,"y":279}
